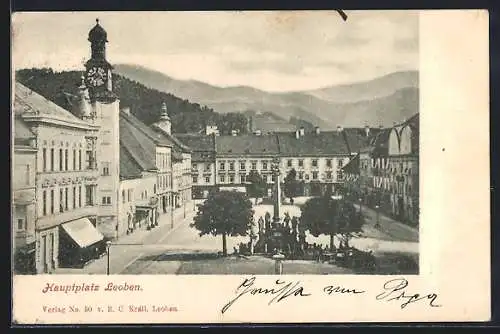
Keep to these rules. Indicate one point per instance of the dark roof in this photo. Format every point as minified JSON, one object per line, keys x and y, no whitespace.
{"x":146,"y":131}
{"x":352,"y":167}
{"x":357,"y":138}
{"x":247,"y":145}
{"x":97,"y":33}
{"x":135,"y":142}
{"x":129,"y":168}
{"x":175,"y":143}
{"x":323,"y":143}
{"x":202,"y":146}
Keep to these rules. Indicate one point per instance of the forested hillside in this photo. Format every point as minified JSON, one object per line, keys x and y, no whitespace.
{"x":145,"y":103}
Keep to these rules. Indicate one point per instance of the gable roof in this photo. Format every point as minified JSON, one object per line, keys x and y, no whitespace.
{"x":247,"y":145}
{"x":175,"y":143}
{"x":323,"y":143}
{"x":129,"y":167}
{"x":31,"y":105}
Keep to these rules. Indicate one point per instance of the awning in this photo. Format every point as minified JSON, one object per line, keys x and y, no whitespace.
{"x":83,"y":232}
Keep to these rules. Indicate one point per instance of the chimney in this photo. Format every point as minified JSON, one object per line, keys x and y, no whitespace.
{"x":126,"y":110}
{"x":302,"y":131}
{"x":367,"y":130}
{"x":317,"y":130}
{"x":297,"y":134}
{"x":339,"y":128}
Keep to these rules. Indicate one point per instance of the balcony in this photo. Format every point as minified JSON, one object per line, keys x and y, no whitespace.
{"x":62,"y":217}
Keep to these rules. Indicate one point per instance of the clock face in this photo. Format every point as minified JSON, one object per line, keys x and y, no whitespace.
{"x":96,"y":76}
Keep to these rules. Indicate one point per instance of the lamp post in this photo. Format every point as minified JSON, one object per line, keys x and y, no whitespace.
{"x":377,"y":224}
{"x":108,"y":246}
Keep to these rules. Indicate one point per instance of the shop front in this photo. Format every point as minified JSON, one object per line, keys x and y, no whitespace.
{"x":79,"y":243}
{"x":147,"y":213}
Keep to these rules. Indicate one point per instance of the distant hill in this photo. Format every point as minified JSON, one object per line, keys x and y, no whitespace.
{"x":380,"y":101}
{"x":368,"y":90}
{"x":145,"y":103}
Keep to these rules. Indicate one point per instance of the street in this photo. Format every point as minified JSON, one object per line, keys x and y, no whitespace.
{"x":180,"y":250}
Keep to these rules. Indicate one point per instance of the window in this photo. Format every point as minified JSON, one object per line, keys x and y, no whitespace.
{"x":123,"y":196}
{"x":340,"y":163}
{"x":44,"y":202}
{"x":74,"y":197}
{"x":339,"y":175}
{"x":52,"y":159}
{"x":27,"y":178}
{"x":20,"y":224}
{"x":207,"y":167}
{"x":301,"y":163}
{"x":315,"y":175}
{"x":105,"y":168}
{"x":222,"y":166}
{"x":329,"y":163}
{"x":315,"y":162}
{"x":264,"y":165}
{"x":207,"y":179}
{"x":89,"y":196}
{"x":44,"y":159}
{"x":254,"y":165}
{"x":106,"y":200}
{"x":52,"y":198}
{"x":80,"y":196}
{"x":61,"y":200}
{"x":74,"y":160}
{"x":195,"y":179}
{"x":66,"y":157}
{"x":66,"y":198}
{"x":301,"y":175}
{"x":89,"y":160}
{"x":328,"y":175}
{"x":80,"y":159}
{"x":231,"y":179}
{"x":242,"y":165}
{"x":222,"y":178}
{"x":231,"y":165}
{"x":242,"y":178}
{"x":289,"y":163}
{"x":307,"y":177}
{"x":154,"y":189}
{"x":195,"y":166}
{"x":61,"y":159}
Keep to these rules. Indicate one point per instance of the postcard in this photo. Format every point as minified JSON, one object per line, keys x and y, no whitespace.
{"x":256,"y":167}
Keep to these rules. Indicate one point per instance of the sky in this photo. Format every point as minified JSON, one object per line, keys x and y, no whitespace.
{"x":272,"y":51}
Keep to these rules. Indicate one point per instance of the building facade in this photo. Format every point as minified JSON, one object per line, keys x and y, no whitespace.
{"x":66,"y":180}
{"x":202,"y":162}
{"x":385,"y":175}
{"x":24,"y":198}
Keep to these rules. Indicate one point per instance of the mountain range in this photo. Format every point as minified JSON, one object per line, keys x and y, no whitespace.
{"x":380,"y":101}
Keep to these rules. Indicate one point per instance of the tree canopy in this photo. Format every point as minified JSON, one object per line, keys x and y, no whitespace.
{"x":325,"y":215}
{"x":224,"y":213}
{"x":256,"y":186}
{"x":291,"y":184}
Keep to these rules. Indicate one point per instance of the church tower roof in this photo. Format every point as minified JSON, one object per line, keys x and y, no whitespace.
{"x":98,"y":34}
{"x":164,"y":113}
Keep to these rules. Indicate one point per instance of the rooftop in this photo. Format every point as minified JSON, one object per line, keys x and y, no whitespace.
{"x":247,"y":145}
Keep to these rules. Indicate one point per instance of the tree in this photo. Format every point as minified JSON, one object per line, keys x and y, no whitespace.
{"x":256,"y":186}
{"x":291,"y":185}
{"x":325,"y":215}
{"x":224,"y":213}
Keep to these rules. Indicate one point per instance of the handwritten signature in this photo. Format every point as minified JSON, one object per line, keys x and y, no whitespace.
{"x":281,"y":291}
{"x":395,"y":290}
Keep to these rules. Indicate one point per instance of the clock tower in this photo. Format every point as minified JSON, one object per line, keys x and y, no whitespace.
{"x":98,"y":70}
{"x":105,"y":113}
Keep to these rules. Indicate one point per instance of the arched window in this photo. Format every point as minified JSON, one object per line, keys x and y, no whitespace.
{"x":393,"y":142}
{"x":405,"y":140}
